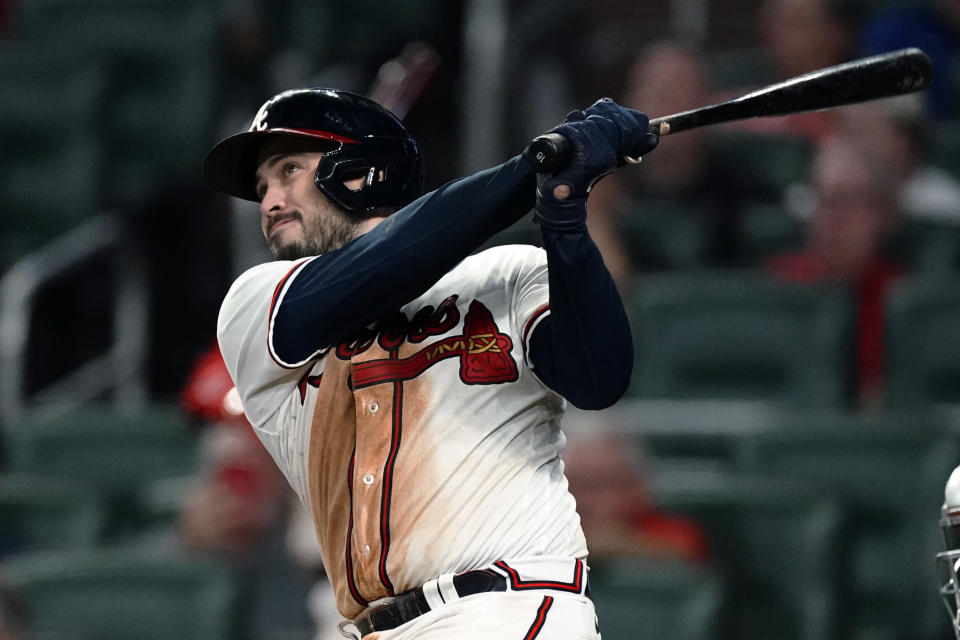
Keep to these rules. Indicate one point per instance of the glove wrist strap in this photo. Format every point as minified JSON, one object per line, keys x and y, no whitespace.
{"x":565,"y":216}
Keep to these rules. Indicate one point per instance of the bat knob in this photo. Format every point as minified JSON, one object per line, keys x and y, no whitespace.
{"x":548,"y":153}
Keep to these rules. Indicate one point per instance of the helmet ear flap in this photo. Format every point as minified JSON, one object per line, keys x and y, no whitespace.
{"x":392,"y":169}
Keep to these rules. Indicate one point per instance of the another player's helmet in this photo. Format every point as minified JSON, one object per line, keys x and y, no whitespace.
{"x":361,"y":139}
{"x":948,"y":562}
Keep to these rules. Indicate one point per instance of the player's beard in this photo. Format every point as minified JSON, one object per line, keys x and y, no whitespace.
{"x":321,"y":233}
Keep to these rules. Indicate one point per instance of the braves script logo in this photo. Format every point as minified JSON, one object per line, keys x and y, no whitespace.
{"x":484,"y":351}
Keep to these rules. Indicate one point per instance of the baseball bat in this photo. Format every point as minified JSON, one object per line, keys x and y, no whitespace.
{"x":881,"y":76}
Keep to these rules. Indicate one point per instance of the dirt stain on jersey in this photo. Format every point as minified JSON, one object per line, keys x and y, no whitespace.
{"x":412,"y":477}
{"x":332,"y":440}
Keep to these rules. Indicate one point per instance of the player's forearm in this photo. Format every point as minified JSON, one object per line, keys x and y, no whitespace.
{"x":399,"y":259}
{"x":585,"y":351}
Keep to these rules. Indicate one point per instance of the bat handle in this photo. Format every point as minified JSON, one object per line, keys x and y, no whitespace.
{"x":551,"y":152}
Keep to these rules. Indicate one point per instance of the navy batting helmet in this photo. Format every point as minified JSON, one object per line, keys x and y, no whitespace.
{"x":358,"y":136}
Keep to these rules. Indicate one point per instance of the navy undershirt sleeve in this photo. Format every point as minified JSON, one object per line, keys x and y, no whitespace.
{"x":399,"y":259}
{"x":584,"y":349}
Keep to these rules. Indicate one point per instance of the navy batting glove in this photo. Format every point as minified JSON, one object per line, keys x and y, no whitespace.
{"x":625,"y":128}
{"x":600,"y":136}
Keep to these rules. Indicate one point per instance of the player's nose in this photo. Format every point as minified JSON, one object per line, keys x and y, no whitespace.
{"x":273,"y":201}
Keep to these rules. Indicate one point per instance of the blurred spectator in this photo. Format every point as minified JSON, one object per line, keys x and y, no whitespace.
{"x":686,"y":171}
{"x":239,"y":504}
{"x":234,"y":506}
{"x":796,"y":37}
{"x":321,"y":600}
{"x":804,"y":35}
{"x":617,"y":515}
{"x":14,"y":617}
{"x":933,"y":26}
{"x":895,"y":131}
{"x":846,"y":235}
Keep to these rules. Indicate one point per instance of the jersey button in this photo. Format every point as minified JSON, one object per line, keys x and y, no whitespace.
{"x":373,"y":407}
{"x":368,"y":479}
{"x":366,"y":549}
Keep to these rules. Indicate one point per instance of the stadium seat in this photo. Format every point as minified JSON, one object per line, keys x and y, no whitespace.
{"x":42,"y":512}
{"x":733,"y":69}
{"x":889,"y":471}
{"x":111,"y":453}
{"x":158,"y":58}
{"x":927,"y":248}
{"x":922,"y":317}
{"x":648,"y":600}
{"x":773,"y":161}
{"x":945,"y":145}
{"x":49,"y":118}
{"x":740,"y":336}
{"x":775,"y":542}
{"x":764,"y":230}
{"x":664,"y":234}
{"x":118,"y":594}
{"x":159,"y":502}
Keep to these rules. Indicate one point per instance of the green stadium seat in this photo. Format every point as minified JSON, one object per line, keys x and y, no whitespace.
{"x":664,"y":234}
{"x":922,"y":342}
{"x":49,"y":118}
{"x":927,"y":248}
{"x":765,"y":230}
{"x":690,"y":448}
{"x":159,"y":502}
{"x":736,"y":68}
{"x":776,"y":543}
{"x":773,"y":161}
{"x":42,"y":512}
{"x":159,"y":60}
{"x":118,"y":594}
{"x":945,"y":144}
{"x":740,"y":336}
{"x":648,"y":600}
{"x":111,"y":453}
{"x":889,"y":472}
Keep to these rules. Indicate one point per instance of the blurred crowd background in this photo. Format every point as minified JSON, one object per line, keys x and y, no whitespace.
{"x":777,"y":468}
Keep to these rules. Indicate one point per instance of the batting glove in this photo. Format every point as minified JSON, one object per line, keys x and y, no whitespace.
{"x":601,"y":136}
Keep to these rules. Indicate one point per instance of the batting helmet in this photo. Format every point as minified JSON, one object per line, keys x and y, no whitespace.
{"x":948,"y":562}
{"x":358,"y":136}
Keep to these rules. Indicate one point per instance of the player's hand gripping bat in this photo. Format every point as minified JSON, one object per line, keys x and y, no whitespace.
{"x":888,"y":74}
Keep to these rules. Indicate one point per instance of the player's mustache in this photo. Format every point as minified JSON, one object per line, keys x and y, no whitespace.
{"x":283,"y":217}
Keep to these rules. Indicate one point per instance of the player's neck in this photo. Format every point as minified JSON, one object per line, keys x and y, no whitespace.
{"x":369,"y":224}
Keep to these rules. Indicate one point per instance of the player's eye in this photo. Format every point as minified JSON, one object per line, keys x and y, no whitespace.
{"x":289,"y":168}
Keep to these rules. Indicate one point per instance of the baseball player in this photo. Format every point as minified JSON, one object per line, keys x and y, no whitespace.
{"x":410,"y":392}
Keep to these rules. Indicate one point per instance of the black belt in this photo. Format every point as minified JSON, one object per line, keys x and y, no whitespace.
{"x":410,"y":604}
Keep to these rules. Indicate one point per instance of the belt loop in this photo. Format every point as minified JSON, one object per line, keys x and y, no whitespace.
{"x":432,"y":594}
{"x":447,"y":590}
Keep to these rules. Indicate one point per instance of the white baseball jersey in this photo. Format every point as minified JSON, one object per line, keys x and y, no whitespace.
{"x":424,"y":445}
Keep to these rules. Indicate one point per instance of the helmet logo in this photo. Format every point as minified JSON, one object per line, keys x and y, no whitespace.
{"x":260,"y":121}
